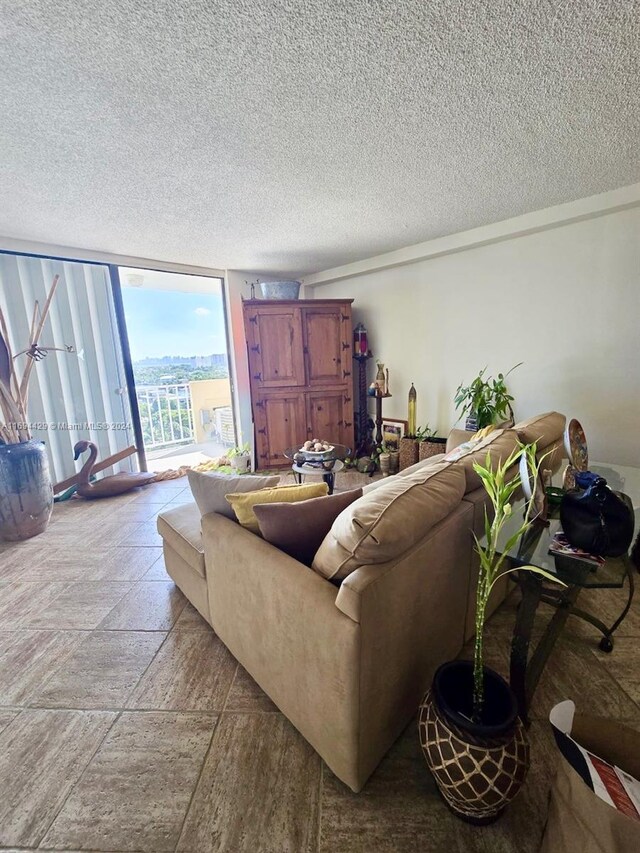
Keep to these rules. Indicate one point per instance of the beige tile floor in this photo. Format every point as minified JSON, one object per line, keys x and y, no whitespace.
{"x":126,"y":725}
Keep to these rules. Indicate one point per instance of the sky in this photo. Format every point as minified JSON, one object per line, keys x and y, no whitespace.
{"x":163,"y":322}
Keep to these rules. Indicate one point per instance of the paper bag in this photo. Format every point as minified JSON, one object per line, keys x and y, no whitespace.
{"x":579,"y":820}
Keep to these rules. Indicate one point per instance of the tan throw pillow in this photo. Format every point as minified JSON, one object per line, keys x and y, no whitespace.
{"x":386,"y":522}
{"x":299,"y":528}
{"x":209,"y":489}
{"x":244,"y":503}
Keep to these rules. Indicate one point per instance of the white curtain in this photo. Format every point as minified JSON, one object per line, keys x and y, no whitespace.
{"x":73,"y":396}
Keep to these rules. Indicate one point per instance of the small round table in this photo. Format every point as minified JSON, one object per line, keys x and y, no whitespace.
{"x":329,"y":477}
{"x":321,"y":465}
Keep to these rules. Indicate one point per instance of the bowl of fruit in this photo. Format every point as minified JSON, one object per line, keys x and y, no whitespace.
{"x":315,"y":450}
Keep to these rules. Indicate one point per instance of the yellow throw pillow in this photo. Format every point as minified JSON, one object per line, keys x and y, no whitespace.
{"x":242,"y":503}
{"x":483,"y":433}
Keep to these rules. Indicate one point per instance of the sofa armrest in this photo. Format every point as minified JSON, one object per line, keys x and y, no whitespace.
{"x":279,"y":619}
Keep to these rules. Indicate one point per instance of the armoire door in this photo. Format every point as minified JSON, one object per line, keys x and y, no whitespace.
{"x":326,"y":334}
{"x":328,"y":416}
{"x":280,"y":423}
{"x":274,"y":337}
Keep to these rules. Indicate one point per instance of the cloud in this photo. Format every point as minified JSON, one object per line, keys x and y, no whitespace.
{"x":202,"y":312}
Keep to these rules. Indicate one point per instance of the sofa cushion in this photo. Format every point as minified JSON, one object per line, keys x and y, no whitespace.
{"x":436,"y":459}
{"x":180,"y":528}
{"x":299,"y":528}
{"x":209,"y":489}
{"x":417,"y":466}
{"x":544,"y":429}
{"x":386,"y":522}
{"x":243,"y":503}
{"x":499,"y":444}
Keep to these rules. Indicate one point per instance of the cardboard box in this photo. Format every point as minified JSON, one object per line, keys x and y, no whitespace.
{"x":581,"y":820}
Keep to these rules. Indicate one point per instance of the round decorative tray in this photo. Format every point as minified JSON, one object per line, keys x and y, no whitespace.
{"x":315,"y":455}
{"x":575,"y":445}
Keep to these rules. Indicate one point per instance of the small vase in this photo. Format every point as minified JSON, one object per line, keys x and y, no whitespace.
{"x":384,"y":461}
{"x":479,"y":768}
{"x":380,"y":380}
{"x":26,"y":496}
{"x":394,"y":461}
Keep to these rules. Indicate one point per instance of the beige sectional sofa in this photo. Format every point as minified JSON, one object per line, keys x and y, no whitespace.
{"x":348,"y":665}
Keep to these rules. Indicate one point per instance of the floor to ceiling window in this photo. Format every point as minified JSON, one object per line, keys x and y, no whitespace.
{"x":169,"y":340}
{"x":178,"y":344}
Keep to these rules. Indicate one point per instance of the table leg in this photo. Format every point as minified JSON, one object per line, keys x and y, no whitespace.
{"x":531,"y":589}
{"x":329,"y":479}
{"x":525,"y":670}
{"x":606,"y":643}
{"x":297,"y":476}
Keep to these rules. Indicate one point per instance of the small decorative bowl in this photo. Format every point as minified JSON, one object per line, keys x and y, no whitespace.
{"x":554,"y":495}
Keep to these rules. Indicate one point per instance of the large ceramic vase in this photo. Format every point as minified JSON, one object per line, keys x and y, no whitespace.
{"x":479,"y":768}
{"x":26,"y":496}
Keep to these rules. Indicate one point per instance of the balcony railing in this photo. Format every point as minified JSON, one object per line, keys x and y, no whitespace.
{"x":166,"y":415}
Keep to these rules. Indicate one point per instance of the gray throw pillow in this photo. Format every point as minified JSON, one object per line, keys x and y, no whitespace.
{"x":299,"y":528}
{"x":209,"y":489}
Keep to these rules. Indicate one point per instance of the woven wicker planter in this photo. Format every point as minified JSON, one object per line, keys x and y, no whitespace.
{"x":431,"y":447}
{"x":408,"y":452}
{"x":479,"y":769}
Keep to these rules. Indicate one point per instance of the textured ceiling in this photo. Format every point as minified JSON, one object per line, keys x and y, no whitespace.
{"x":294,"y":136}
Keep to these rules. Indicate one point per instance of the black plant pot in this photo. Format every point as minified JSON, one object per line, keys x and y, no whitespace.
{"x":478,"y":767}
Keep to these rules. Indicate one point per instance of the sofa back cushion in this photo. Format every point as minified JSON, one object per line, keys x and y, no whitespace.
{"x":544,"y":429}
{"x":387,"y":521}
{"x":499,"y":444}
{"x":209,"y":489}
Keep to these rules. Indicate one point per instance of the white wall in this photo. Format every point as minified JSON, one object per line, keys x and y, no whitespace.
{"x":235,"y":291}
{"x":565,"y":301}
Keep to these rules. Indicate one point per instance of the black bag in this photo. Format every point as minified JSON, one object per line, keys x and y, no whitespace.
{"x":597,"y":519}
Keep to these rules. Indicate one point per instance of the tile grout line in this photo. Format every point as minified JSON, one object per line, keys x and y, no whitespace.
{"x":204,"y":760}
{"x":146,"y":669}
{"x":320,"y":795}
{"x":617,"y":680}
{"x":84,"y":770}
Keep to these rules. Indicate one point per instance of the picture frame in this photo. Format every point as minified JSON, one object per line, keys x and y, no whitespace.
{"x":392,"y":431}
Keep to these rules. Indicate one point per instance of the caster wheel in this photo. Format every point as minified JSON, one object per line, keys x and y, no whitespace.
{"x":606,"y":644}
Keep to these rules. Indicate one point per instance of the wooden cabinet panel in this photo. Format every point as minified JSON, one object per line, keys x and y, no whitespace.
{"x":276,"y":357}
{"x":326,"y":334}
{"x":280,"y":422}
{"x":330,"y":416}
{"x":300,"y":363}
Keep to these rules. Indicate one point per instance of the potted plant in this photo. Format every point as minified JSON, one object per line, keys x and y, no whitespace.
{"x":484,"y":401}
{"x":429,"y":443}
{"x":26,"y":495}
{"x":472,"y":738}
{"x":240,"y":458}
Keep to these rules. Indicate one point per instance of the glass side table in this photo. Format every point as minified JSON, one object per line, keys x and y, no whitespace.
{"x":533,"y":549}
{"x":327,"y":465}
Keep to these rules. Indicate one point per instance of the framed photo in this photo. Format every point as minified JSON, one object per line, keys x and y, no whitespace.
{"x":392,"y":431}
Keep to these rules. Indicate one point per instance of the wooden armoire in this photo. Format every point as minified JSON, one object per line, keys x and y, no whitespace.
{"x":300,"y":363}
